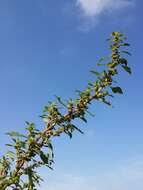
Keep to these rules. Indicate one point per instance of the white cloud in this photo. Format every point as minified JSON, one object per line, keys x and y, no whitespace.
{"x":93,"y":8}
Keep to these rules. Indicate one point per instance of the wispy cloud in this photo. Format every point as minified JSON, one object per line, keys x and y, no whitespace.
{"x":93,"y":8}
{"x":126,"y":176}
{"x":91,"y":11}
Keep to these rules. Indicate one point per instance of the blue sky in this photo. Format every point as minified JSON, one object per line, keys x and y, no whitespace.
{"x":47,"y":48}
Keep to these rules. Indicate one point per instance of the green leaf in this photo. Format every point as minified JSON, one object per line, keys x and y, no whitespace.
{"x":82,"y":118}
{"x":46,"y":109}
{"x":91,"y":114}
{"x":100,"y":64}
{"x":60,"y":101}
{"x":50,"y":146}
{"x":10,"y":154}
{"x":117,"y":90}
{"x":69,"y":134}
{"x":16,"y":134}
{"x":104,"y":58}
{"x":31,"y":127}
{"x":90,"y":84}
{"x":111,"y":65}
{"x":115,"y":33}
{"x":126,"y":44}
{"x":126,"y":52}
{"x":106,"y":102}
{"x":123,"y":61}
{"x":77,"y":129}
{"x":127,"y":69}
{"x":44,"y":157}
{"x":10,"y":145}
{"x":95,"y":73}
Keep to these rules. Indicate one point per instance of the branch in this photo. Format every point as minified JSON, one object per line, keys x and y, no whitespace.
{"x":18,"y":168}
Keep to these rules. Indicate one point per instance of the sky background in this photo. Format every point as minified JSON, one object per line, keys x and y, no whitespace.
{"x":47,"y":48}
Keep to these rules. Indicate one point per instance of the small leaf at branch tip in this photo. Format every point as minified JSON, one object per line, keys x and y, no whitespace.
{"x":82,"y":118}
{"x":115,"y":33}
{"x":9,"y":145}
{"x":127,"y":69}
{"x":117,"y":90}
{"x":90,"y":84}
{"x":95,"y":73}
{"x":126,"y":44}
{"x":100,"y":64}
{"x":126,"y":52}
